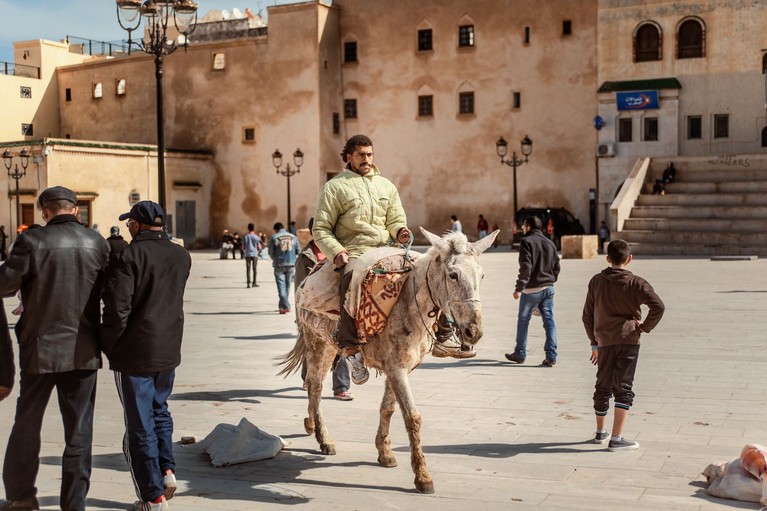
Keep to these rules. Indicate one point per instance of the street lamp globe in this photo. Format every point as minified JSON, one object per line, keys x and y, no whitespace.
{"x":527,"y":146}
{"x":298,"y":157}
{"x":502,"y":147}
{"x":277,"y":159}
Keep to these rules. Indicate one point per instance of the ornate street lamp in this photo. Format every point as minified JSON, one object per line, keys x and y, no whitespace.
{"x":157,"y":15}
{"x":502,"y":148}
{"x":288,"y":171}
{"x":17,"y":174}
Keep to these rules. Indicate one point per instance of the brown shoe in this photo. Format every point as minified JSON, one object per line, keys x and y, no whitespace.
{"x":28,"y":504}
{"x":441,"y":351}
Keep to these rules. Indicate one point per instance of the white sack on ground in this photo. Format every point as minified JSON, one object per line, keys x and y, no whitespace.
{"x":229,"y":445}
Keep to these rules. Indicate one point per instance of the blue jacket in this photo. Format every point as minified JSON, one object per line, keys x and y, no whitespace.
{"x":283,"y":249}
{"x":251,"y":245}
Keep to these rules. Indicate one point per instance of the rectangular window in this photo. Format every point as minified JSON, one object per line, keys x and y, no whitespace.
{"x":466,"y":103}
{"x":249,"y":135}
{"x":425,"y":40}
{"x":219,"y":61}
{"x":527,"y":35}
{"x":98,"y":90}
{"x":350,"y":108}
{"x":466,"y":35}
{"x":650,"y":129}
{"x":721,"y":126}
{"x":27,"y":130}
{"x":425,"y":106}
{"x":336,"y":123}
{"x":694,"y":127}
{"x":26,"y":92}
{"x":567,"y":27}
{"x":84,"y":209}
{"x":350,"y":51}
{"x":120,"y":87}
{"x":625,"y":130}
{"x":68,"y":94}
{"x":517,"y":100}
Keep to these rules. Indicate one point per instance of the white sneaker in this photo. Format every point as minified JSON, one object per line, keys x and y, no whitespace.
{"x":360,"y":373}
{"x":169,"y":483}
{"x":140,"y":505}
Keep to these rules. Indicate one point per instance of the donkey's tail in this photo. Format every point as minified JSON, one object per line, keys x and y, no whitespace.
{"x":294,"y":359}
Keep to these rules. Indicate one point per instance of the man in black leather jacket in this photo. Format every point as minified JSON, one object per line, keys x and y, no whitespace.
{"x":58,"y":269}
{"x":141,"y":335}
{"x":538,"y":271}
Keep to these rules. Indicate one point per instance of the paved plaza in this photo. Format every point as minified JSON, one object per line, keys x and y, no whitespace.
{"x":495,"y":435}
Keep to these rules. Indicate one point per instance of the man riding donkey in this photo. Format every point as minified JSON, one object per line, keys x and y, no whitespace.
{"x":358,"y":210}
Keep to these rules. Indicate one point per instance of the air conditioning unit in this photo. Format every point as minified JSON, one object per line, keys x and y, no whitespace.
{"x":606,"y":149}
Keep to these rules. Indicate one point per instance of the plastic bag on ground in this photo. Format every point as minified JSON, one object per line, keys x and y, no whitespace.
{"x":229,"y":445}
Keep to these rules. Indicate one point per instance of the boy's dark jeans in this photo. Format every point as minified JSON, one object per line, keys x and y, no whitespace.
{"x":615,"y":376}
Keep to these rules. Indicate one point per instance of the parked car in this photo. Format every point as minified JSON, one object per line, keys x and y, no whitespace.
{"x":563,"y":223}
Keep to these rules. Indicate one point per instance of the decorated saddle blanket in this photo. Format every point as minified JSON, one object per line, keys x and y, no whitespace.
{"x":377,"y":280}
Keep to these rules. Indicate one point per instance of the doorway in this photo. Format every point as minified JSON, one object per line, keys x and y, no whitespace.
{"x":186,"y":224}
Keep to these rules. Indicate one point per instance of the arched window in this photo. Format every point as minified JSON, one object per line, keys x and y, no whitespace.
{"x":647,"y":42}
{"x":764,"y":136}
{"x":691,"y":39}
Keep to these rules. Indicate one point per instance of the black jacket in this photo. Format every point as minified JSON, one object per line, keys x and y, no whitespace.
{"x":116,"y":245}
{"x":143,"y":318}
{"x":538,"y":261}
{"x":58,"y":269}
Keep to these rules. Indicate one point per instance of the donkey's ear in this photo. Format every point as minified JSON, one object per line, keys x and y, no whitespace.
{"x":485,"y":243}
{"x":435,"y":240}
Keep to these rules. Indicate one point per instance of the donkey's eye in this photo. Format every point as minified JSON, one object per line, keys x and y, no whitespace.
{"x":453,"y":275}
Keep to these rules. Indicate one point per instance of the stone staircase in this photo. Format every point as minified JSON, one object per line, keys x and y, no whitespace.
{"x":705,"y":212}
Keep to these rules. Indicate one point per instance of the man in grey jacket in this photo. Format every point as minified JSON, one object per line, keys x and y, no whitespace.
{"x":538,"y":270}
{"x":59,"y":270}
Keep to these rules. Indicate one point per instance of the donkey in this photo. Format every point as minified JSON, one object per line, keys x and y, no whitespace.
{"x":445,"y":278}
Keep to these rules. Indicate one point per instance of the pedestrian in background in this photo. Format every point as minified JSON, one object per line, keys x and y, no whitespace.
{"x":59,"y":270}
{"x":251,"y":245}
{"x":141,"y":332}
{"x":116,"y":243}
{"x":3,"y":244}
{"x":538,"y":271}
{"x":482,"y":227}
{"x":613,"y":321}
{"x":283,"y":249}
{"x":455,"y":224}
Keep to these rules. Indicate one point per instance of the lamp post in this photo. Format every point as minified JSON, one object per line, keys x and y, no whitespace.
{"x":502,"y":148}
{"x":17,"y":174}
{"x":157,"y":15}
{"x":288,"y":171}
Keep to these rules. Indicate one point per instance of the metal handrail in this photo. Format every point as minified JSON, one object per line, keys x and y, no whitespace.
{"x":12,"y":69}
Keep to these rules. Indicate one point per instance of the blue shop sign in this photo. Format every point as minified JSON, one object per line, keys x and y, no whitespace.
{"x":642,"y":100}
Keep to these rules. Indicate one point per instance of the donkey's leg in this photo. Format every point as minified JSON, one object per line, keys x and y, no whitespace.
{"x":401,"y":387}
{"x":318,"y":365}
{"x":383,"y":442}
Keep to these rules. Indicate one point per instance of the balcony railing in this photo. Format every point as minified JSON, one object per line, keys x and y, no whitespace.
{"x":96,"y":48}
{"x":11,"y":69}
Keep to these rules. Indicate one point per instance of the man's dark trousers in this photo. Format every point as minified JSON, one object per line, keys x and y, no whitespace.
{"x":148,"y":442}
{"x":77,"y":396}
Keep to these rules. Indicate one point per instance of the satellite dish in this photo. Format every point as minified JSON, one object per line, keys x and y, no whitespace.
{"x":237,"y":14}
{"x":225,"y":14}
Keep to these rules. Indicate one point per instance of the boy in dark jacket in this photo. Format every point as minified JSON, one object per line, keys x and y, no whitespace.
{"x":613,"y":322}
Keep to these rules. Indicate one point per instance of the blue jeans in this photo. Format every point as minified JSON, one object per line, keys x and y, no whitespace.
{"x":283,"y":275}
{"x":148,"y":442}
{"x":544,"y":302}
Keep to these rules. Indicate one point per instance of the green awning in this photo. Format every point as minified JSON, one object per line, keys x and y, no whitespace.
{"x":630,"y":85}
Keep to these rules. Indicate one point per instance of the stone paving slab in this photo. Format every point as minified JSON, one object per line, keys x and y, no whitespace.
{"x":495,"y":435}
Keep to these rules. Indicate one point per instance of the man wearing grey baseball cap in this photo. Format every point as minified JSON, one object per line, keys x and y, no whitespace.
{"x":59,"y":271}
{"x":141,"y":332}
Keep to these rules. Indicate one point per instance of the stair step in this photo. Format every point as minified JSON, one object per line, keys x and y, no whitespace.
{"x":696,"y":224}
{"x":656,"y":249}
{"x":671,"y":211}
{"x":704,"y":199}
{"x":696,"y":237}
{"x":723,"y":175}
{"x":718,"y":187}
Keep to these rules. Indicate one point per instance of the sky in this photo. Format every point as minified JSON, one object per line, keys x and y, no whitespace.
{"x":22,"y":20}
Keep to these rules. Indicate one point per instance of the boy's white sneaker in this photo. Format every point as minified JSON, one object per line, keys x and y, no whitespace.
{"x":169,"y":483}
{"x":140,"y":505}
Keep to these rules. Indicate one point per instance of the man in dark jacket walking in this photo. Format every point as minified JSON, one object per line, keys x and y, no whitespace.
{"x":538,"y":270}
{"x":143,"y":323}
{"x":59,"y":270}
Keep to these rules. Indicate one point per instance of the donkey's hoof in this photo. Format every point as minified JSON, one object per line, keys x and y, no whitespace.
{"x":328,"y":449}
{"x":387,"y":461}
{"x":424,"y":486}
{"x":308,"y":426}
